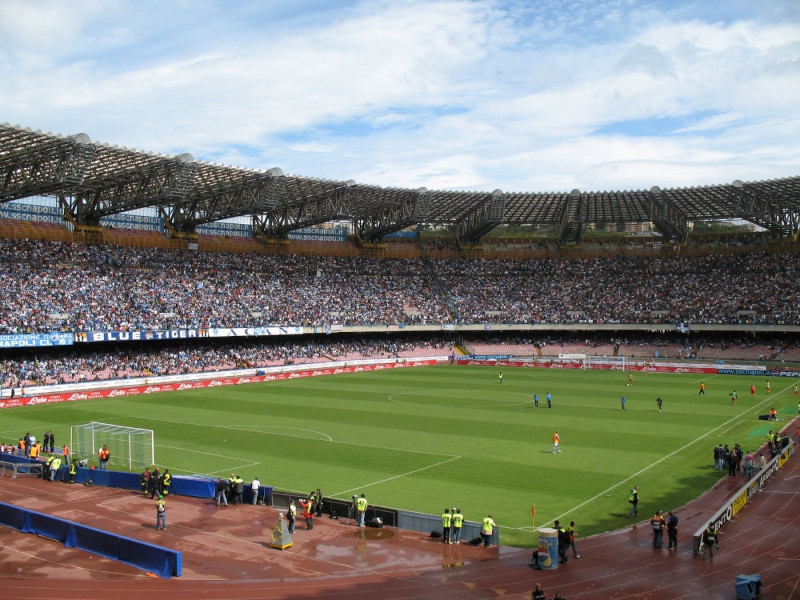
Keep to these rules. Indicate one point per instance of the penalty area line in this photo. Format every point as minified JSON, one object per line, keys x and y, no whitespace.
{"x":324,"y":436}
{"x":366,"y":485}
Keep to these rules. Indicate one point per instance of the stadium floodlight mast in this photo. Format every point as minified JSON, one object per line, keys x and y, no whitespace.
{"x":131,"y":448}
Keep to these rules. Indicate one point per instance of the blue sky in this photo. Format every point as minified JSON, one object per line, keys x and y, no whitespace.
{"x":464,"y":95}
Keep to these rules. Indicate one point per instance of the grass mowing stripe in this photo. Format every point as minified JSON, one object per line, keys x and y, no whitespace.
{"x":725,"y":426}
{"x":427,"y":438}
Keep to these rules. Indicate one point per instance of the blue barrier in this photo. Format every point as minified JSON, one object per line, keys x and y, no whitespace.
{"x":12,"y":516}
{"x":149,"y":557}
{"x":15,"y":458}
{"x":195,"y":487}
{"x":179,"y":486}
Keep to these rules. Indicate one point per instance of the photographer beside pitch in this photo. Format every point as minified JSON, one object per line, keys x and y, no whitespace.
{"x":308,"y":513}
{"x":361,"y":510}
{"x":103,"y":456}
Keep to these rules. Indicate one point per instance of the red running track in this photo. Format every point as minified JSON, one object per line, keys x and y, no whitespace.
{"x":227,"y":556}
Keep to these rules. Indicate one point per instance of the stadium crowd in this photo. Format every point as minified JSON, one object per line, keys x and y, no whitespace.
{"x":53,"y":366}
{"x":663,"y":346}
{"x":47,"y":366}
{"x":754,"y":288}
{"x":53,"y":286}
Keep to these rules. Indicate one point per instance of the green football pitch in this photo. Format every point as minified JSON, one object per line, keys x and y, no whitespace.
{"x":427,"y":438}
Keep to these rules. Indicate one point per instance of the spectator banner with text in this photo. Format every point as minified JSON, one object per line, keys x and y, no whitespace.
{"x":179,"y":334}
{"x":35,"y":340}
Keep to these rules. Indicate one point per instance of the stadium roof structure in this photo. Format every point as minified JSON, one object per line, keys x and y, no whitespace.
{"x":93,"y":180}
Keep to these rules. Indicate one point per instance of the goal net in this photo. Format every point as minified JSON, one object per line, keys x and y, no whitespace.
{"x":574,"y":358}
{"x":131,"y":448}
{"x":613,"y":363}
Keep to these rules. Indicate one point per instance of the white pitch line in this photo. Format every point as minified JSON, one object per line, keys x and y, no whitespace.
{"x":242,"y":466}
{"x":328,"y":438}
{"x":366,"y":485}
{"x":325,"y":436}
{"x":452,"y":456}
{"x":660,"y":460}
{"x":201,"y":452}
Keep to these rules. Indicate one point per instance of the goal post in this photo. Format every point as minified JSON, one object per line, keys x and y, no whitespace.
{"x":131,"y":448}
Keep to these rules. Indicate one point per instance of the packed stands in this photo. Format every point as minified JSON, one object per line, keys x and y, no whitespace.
{"x":755,"y":288}
{"x":52,"y":366}
{"x":662,"y":346}
{"x":29,"y":368}
{"x":554,"y":348}
{"x":70,"y":287}
{"x":52,"y":286}
{"x":502,"y":348}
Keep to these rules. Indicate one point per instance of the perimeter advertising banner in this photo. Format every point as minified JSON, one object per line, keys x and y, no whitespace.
{"x":201,"y":384}
{"x":744,"y":494}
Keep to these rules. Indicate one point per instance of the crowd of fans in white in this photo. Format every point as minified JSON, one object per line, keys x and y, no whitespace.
{"x":51,"y":286}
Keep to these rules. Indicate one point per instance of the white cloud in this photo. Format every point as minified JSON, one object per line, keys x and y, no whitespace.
{"x":312,"y":147}
{"x":466,"y":95}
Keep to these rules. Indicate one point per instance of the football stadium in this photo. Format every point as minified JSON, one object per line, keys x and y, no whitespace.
{"x":409,"y":357}
{"x":400,"y":300}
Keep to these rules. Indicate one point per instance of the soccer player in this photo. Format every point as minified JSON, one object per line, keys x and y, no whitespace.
{"x":556,"y":442}
{"x":733,"y":398}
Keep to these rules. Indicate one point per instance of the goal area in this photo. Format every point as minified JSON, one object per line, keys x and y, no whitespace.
{"x":131,"y":448}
